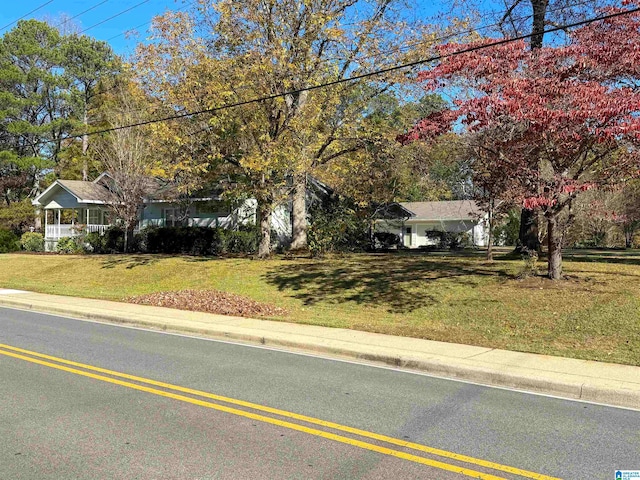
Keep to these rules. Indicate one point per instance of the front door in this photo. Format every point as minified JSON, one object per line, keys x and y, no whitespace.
{"x":407,"y":236}
{"x":170,"y":217}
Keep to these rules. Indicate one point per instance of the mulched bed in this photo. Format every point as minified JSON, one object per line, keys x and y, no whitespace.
{"x":209,"y":301}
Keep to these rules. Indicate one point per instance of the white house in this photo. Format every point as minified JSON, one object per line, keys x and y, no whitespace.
{"x":73,"y":206}
{"x":417,"y":223}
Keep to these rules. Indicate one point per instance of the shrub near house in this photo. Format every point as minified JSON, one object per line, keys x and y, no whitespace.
{"x":9,"y":242}
{"x":32,"y":242}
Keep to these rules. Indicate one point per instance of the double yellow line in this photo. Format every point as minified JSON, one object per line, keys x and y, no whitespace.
{"x":114,"y":378}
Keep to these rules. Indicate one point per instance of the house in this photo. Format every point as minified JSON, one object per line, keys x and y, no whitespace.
{"x":74,"y":206}
{"x":419,"y":224}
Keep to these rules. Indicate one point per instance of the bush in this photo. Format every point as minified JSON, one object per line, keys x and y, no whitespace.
{"x":94,"y":242}
{"x":198,"y":241}
{"x":32,"y":242}
{"x":244,"y":240}
{"x":508,"y":232}
{"x":338,"y":227}
{"x":9,"y":241}
{"x":113,"y":240}
{"x":68,"y":245}
{"x":386,"y":240}
{"x":448,"y":240}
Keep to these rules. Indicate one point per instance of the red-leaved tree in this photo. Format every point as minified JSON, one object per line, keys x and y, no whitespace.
{"x":561,"y":120}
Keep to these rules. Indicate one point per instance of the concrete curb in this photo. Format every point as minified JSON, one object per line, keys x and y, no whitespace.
{"x":565,"y":387}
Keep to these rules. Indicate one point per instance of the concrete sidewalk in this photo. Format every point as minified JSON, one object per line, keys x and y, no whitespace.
{"x":578,"y":379}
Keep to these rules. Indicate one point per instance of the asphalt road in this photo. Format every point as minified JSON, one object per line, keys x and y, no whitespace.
{"x":61,"y":420}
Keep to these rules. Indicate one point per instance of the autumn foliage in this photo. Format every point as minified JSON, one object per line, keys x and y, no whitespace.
{"x":560,"y":119}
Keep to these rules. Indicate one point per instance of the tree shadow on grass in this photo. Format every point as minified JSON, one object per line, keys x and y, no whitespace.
{"x":130,"y":261}
{"x":392,"y":281}
{"x":622,"y":258}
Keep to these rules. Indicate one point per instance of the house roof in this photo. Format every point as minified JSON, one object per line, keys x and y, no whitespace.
{"x":446,"y":210}
{"x":86,"y":191}
{"x":99,"y":191}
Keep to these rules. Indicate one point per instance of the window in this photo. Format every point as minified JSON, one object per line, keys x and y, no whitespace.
{"x":94,"y":217}
{"x":169,"y":216}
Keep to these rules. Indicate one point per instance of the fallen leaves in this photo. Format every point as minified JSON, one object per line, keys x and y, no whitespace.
{"x":209,"y":301}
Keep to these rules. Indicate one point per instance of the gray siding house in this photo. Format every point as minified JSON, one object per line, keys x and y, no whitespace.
{"x":414,"y":222}
{"x":71,"y":207}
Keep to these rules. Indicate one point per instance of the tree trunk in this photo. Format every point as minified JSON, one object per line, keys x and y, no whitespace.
{"x":554,"y":242}
{"x":528,"y":234}
{"x":490,"y":238}
{"x":299,"y":212}
{"x":126,"y":239}
{"x":539,"y":8}
{"x":264,"y":214}
{"x":85,"y":146}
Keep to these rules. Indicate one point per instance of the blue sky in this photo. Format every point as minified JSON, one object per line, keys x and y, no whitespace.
{"x":112,"y":30}
{"x":12,"y":10}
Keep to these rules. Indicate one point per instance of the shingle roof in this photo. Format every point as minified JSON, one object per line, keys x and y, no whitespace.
{"x":447,"y":210}
{"x":86,"y":190}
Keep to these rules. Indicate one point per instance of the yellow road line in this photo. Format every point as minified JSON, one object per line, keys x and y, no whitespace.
{"x":262,"y":418}
{"x":283,"y":413}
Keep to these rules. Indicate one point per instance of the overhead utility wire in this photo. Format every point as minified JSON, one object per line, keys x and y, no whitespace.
{"x":26,"y":14}
{"x":147,"y":23}
{"x":64,"y":22}
{"x":444,"y":38}
{"x":114,"y":16}
{"x":403,"y":47}
{"x":356,"y":77}
{"x":454,"y":34}
{"x":407,"y":46}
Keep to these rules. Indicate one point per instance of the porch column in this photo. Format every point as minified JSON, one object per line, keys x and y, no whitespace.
{"x":46,"y":214}
{"x":59,"y":215}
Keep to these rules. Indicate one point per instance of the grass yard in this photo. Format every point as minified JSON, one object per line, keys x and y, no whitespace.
{"x":595,"y":314}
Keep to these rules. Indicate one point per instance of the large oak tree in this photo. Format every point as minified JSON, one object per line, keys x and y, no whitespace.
{"x":234,"y":51}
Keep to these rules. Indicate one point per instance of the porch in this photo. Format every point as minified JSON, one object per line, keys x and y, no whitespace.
{"x":60,"y":223}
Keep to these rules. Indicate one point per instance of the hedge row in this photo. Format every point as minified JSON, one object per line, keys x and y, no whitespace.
{"x":199,"y":241}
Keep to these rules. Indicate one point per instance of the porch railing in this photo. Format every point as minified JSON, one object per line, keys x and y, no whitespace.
{"x":60,"y":231}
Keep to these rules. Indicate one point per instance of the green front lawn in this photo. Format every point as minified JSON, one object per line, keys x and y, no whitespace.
{"x":595,"y":314}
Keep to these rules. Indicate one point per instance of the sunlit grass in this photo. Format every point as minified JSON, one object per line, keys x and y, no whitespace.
{"x":594,"y":314}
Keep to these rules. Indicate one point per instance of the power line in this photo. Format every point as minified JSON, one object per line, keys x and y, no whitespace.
{"x":147,"y":23}
{"x":27,"y":14}
{"x":64,"y":22}
{"x":403,"y":47}
{"x":360,"y":76}
{"x":351,"y":79}
{"x":454,"y":34}
{"x":114,"y":16}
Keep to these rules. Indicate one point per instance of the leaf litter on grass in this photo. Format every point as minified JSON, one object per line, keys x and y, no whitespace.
{"x":209,"y":301}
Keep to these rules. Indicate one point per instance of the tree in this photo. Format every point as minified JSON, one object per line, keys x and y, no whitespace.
{"x":41,"y":75}
{"x":488,"y":188}
{"x":127,"y":156}
{"x":575,"y":106}
{"x":33,"y":105}
{"x":88,"y":63}
{"x":381,"y":170}
{"x":256,"y":49}
{"x":519,"y":17}
{"x":629,"y":215}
